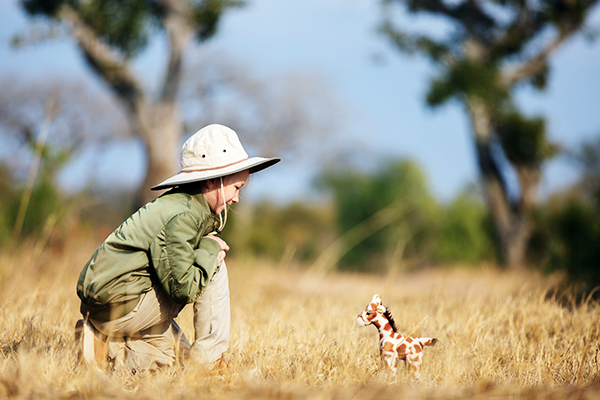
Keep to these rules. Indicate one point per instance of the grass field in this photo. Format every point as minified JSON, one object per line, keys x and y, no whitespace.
{"x":501,"y":335}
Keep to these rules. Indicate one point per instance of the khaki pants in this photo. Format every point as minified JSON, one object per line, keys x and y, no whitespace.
{"x":148,"y":337}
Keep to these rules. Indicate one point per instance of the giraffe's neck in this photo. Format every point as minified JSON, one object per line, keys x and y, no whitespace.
{"x":385,"y":328}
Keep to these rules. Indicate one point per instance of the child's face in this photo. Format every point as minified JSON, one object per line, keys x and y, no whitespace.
{"x":232,"y":184}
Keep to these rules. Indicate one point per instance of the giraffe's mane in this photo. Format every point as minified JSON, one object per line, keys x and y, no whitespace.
{"x":389,"y":317}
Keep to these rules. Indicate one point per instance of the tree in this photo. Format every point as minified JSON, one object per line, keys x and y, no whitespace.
{"x":494,"y":47}
{"x":110,"y":33}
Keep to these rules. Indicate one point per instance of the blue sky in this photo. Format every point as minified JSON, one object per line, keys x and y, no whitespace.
{"x":336,"y":40}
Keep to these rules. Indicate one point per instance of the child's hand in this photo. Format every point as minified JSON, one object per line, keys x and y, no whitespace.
{"x":224,"y":247}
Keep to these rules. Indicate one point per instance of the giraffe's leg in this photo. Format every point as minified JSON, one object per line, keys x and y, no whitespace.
{"x":414,"y":361}
{"x":394,"y":363}
{"x":391,"y":359}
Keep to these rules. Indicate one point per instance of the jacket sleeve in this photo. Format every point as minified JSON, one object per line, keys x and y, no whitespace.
{"x":183,"y":271}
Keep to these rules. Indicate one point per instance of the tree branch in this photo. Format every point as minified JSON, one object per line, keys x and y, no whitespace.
{"x":468,"y":13}
{"x":567,"y":23}
{"x":110,"y":65}
{"x":413,"y":43}
{"x":535,"y":64}
{"x":524,"y":26}
{"x":179,"y":31}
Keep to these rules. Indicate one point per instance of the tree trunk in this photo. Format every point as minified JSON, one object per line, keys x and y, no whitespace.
{"x":161,"y":128}
{"x":157,"y":123}
{"x":162,"y":132}
{"x":511,"y":219}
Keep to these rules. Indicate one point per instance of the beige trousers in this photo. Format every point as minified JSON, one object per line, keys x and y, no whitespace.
{"x":148,"y":337}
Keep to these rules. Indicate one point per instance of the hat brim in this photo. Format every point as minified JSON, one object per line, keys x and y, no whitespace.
{"x":253,"y":164}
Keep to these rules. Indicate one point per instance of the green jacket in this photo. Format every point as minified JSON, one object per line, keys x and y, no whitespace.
{"x":160,"y":244}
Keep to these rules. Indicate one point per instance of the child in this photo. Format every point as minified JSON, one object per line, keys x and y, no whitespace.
{"x":165,"y":256}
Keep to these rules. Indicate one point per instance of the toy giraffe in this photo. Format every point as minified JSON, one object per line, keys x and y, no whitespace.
{"x":392,"y":345}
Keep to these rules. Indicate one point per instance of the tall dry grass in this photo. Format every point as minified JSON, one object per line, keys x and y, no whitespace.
{"x":294,"y":335}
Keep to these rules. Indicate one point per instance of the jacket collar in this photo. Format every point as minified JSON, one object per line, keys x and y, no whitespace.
{"x":199,"y":203}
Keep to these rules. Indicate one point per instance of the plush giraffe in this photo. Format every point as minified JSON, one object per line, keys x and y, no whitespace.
{"x":392,"y":345}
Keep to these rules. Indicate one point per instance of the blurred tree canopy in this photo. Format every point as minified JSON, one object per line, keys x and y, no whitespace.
{"x":47,"y":206}
{"x":466,"y":232}
{"x":358,"y":196}
{"x":287,"y":234}
{"x":492,"y":48}
{"x":110,"y":33}
{"x":397,"y":222}
{"x":567,"y":230}
{"x":7,"y":196}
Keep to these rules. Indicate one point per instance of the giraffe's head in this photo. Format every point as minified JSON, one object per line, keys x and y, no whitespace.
{"x":373,"y":309}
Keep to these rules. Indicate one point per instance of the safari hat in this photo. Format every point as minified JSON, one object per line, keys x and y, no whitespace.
{"x":214,"y":151}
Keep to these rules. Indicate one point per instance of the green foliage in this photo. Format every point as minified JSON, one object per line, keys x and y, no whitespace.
{"x":124,"y":24}
{"x":45,"y":202}
{"x":269,"y":231}
{"x":467,"y":79}
{"x":207,"y":13}
{"x":524,"y":139}
{"x":566,"y":14}
{"x":539,"y":80}
{"x":127,"y":24}
{"x":589,"y":159}
{"x":49,"y":8}
{"x":567,"y":238}
{"x":567,"y":228}
{"x":358,"y":196}
{"x":7,"y":200}
{"x":466,"y":232}
{"x":411,"y":44}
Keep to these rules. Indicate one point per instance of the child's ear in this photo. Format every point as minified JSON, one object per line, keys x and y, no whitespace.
{"x":210,"y":183}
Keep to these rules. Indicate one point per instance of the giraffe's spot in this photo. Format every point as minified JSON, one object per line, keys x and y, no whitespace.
{"x":402,"y":348}
{"x":415,"y":358}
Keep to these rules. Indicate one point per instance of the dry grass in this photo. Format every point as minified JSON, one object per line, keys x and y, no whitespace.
{"x":294,"y":336}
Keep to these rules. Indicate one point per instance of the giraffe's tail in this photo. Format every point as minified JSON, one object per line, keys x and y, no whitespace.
{"x":427,"y":341}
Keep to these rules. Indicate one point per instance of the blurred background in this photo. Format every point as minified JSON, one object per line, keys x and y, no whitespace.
{"x":414,"y":134}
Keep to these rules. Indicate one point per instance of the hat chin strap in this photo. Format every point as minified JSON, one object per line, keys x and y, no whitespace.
{"x":222,"y":221}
